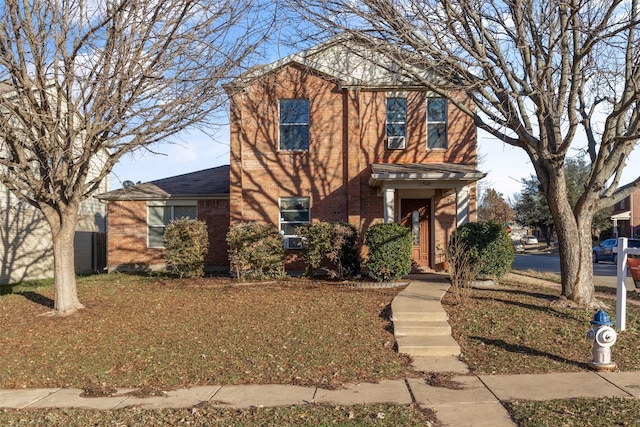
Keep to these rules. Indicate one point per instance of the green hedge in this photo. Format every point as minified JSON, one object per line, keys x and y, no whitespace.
{"x":186,"y":244}
{"x":491,"y":245}
{"x":389,"y":251}
{"x":332,"y":246}
{"x":256,"y":251}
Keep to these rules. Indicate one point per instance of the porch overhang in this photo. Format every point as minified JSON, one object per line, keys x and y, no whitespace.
{"x":423,"y":175}
{"x":622,"y":216}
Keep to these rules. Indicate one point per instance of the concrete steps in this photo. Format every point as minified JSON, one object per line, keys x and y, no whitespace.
{"x":436,"y":345}
{"x":417,"y":328}
{"x":419,"y":321}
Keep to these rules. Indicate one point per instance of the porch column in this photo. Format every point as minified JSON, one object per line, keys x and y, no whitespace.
{"x":388,"y":195}
{"x":462,"y":205}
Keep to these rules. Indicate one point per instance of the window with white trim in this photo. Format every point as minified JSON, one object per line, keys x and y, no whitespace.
{"x":396,"y":126}
{"x":437,"y":123}
{"x":294,"y":125}
{"x":160,"y":215}
{"x":294,"y":211}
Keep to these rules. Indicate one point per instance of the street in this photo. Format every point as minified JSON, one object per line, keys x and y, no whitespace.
{"x":604,"y":273}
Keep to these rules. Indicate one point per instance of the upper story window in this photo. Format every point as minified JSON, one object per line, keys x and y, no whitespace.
{"x":294,"y":124}
{"x":396,"y":123}
{"x":436,"y":123}
{"x":159,"y":216}
{"x":294,"y":211}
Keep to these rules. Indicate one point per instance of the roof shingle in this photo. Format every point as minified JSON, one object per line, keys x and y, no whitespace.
{"x":208,"y":183}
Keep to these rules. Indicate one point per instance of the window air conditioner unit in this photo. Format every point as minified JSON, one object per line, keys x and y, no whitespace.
{"x":293,"y":243}
{"x":395,"y":142}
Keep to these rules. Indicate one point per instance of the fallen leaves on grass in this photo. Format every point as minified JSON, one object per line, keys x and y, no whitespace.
{"x":160,"y":333}
{"x":302,"y":415}
{"x":520,"y":330}
{"x":603,"y":412}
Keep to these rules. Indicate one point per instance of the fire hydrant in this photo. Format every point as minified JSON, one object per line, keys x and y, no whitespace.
{"x":603,"y":337}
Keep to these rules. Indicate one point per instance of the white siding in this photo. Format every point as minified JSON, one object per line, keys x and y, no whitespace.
{"x":26,"y":251}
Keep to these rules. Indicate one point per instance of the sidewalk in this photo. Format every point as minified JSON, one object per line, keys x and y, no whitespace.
{"x":478,"y":403}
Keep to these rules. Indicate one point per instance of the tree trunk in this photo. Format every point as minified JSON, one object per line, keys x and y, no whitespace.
{"x":63,"y":229}
{"x":574,"y":245}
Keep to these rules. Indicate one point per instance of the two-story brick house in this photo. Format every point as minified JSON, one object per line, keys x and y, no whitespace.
{"x":626,"y":216}
{"x":335,"y":133}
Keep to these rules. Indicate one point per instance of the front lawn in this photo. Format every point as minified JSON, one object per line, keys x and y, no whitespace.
{"x":155,"y":332}
{"x":522,"y":328}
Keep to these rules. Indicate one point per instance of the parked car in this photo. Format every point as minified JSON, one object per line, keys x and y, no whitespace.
{"x":518,"y":247}
{"x":529,"y":240}
{"x":608,"y":250}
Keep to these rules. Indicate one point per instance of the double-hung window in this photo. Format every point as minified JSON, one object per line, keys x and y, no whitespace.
{"x":436,"y":123}
{"x":294,"y":211}
{"x":396,"y":123}
{"x":160,"y":215}
{"x":294,"y":124}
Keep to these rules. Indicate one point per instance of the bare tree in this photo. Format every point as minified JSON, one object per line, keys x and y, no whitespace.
{"x":493,"y":207}
{"x":85,"y":82}
{"x":540,"y":73}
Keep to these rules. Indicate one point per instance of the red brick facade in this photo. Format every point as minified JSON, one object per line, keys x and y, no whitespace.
{"x":215,"y":213}
{"x":347,"y":136}
{"x":347,"y":172}
{"x":127,"y":236}
{"x":629,"y":227}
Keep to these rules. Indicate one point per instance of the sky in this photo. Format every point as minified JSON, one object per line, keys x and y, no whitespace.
{"x":186,"y":153}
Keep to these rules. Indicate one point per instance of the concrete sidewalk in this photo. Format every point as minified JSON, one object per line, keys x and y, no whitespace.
{"x":477,"y":403}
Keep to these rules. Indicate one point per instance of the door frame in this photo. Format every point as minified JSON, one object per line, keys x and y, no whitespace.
{"x":425,"y":248}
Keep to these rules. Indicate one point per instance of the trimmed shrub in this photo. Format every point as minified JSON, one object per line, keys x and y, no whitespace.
{"x":186,"y":244}
{"x":332,"y":246}
{"x":490,"y":245}
{"x":256,"y":251}
{"x":389,"y":251}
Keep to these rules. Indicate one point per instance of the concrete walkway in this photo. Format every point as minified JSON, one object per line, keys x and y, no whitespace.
{"x":477,"y":403}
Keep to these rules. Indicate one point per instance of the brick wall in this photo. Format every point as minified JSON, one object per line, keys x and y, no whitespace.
{"x":630,"y":228}
{"x":347,"y":135}
{"x":215,"y":213}
{"x":127,"y":236}
{"x":635,"y":214}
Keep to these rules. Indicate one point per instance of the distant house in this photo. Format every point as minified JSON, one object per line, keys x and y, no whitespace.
{"x":137,"y":216}
{"x":26,"y":248}
{"x":333,"y":133}
{"x":626,"y":216}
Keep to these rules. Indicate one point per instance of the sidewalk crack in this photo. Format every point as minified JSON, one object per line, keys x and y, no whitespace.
{"x":413,"y":397}
{"x":615,"y":385}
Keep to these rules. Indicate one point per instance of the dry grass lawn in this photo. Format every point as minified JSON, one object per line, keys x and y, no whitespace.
{"x":157,"y":333}
{"x":164,"y":333}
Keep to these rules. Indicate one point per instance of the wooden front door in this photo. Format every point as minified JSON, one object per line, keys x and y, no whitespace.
{"x":415,"y":214}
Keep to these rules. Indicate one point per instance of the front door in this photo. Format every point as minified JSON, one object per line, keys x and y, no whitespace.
{"x":415,"y":214}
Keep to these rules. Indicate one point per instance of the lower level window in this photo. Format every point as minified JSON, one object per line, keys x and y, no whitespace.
{"x":158,"y":217}
{"x":294,"y":211}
